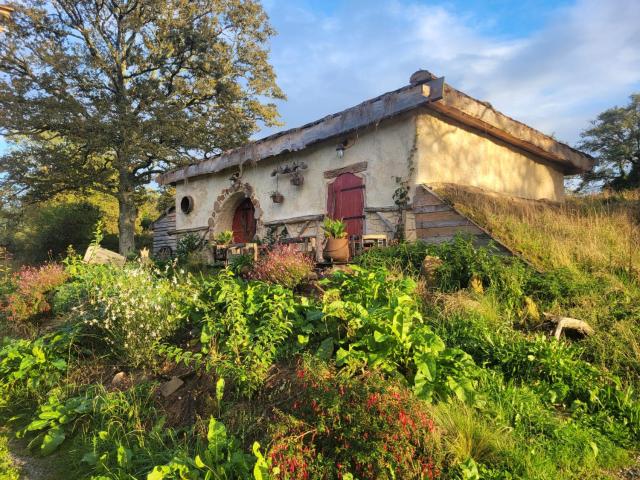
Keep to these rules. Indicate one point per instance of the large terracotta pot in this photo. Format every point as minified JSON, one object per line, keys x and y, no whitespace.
{"x":337,"y":249}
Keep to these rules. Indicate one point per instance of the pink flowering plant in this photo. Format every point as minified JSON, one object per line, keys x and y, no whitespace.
{"x":284,"y":265}
{"x":25,"y":307}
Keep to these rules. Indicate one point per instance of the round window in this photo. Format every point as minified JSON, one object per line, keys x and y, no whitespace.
{"x":186,"y":204}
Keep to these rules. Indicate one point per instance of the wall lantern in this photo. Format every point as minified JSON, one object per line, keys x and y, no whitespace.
{"x":186,"y":204}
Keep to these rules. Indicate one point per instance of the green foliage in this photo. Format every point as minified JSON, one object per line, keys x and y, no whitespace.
{"x":223,"y":238}
{"x":334,"y":228}
{"x":222,"y":458}
{"x":136,"y":308}
{"x":331,"y":425}
{"x":48,"y":229}
{"x":241,"y":264}
{"x":378,"y":324}
{"x":187,"y":244}
{"x":51,"y":419}
{"x":245,"y":327}
{"x":613,"y":140}
{"x":213,"y":87}
{"x":28,"y":369}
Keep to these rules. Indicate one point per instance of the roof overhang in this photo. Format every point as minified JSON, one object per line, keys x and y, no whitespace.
{"x":367,"y":113}
{"x":430,"y":94}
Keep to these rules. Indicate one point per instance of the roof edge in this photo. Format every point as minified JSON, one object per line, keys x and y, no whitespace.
{"x":367,"y":113}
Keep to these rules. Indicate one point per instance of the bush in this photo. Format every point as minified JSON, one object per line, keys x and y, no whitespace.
{"x":136,"y":308}
{"x":25,"y":306}
{"x":284,"y":265}
{"x":366,"y":426}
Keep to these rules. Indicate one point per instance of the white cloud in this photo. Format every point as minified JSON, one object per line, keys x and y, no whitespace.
{"x":583,"y":60}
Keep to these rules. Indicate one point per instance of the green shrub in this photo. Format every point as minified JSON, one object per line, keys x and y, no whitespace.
{"x":376,"y":322}
{"x":367,"y":426}
{"x":245,"y":327}
{"x":30,"y":368}
{"x":136,"y":308}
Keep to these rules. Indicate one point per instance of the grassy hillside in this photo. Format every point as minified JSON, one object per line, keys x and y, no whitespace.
{"x":419,"y":362}
{"x":592,"y":241}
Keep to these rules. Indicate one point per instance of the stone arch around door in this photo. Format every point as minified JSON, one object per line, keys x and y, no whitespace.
{"x":226,"y":205}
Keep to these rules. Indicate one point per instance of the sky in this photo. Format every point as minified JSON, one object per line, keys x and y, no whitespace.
{"x":551,"y":64}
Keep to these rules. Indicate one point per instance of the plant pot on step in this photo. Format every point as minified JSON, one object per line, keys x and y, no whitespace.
{"x":337,"y":249}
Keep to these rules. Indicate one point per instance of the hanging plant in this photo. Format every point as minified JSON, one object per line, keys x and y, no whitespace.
{"x":277,"y":197}
{"x":297,"y":179}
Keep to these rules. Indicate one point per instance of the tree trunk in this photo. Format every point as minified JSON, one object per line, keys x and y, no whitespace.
{"x":127,"y":215}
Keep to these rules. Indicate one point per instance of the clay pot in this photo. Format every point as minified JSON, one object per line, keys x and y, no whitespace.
{"x":337,"y":249}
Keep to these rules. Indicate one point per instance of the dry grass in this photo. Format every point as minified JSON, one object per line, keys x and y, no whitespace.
{"x":591,"y":233}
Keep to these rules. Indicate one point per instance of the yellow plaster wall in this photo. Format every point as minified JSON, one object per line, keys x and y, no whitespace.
{"x":448,"y":152}
{"x":385,"y":148}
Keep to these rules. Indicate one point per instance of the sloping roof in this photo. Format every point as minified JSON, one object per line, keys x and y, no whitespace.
{"x":425,"y":91}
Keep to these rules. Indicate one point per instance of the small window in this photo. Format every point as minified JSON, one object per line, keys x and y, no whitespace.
{"x":186,"y":204}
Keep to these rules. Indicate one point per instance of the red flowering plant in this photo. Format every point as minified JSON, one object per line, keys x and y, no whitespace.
{"x":284,"y":265}
{"x":339,"y":427}
{"x":25,"y":306}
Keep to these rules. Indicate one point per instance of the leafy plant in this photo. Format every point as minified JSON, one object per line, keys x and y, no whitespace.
{"x":51,"y":419}
{"x":334,"y":228}
{"x":28,"y":369}
{"x":245,"y":327}
{"x":223,"y":238}
{"x":222,"y":458}
{"x":379,"y":325}
{"x":284,"y":265}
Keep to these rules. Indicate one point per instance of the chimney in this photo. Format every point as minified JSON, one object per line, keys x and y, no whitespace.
{"x":421,"y":76}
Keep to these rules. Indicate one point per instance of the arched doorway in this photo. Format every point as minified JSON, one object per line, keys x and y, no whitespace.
{"x":244,"y":222}
{"x":346,"y":202}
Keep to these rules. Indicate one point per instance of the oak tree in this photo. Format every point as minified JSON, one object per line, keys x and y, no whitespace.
{"x":614,"y":140}
{"x":104,"y":94}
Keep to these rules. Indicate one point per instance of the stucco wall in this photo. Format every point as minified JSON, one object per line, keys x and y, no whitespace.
{"x":385,"y":148}
{"x":448,"y":152}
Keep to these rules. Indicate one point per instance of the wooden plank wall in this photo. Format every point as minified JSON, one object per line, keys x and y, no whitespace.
{"x":161,"y":236}
{"x":436,"y":221}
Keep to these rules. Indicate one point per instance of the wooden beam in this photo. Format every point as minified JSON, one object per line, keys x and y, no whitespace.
{"x":381,"y":209}
{"x":303,"y":218}
{"x":432,"y":209}
{"x":386,"y":222}
{"x":458,"y":222}
{"x":353,"y":168}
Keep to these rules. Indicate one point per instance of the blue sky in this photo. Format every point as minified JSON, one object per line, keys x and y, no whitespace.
{"x":552,"y":64}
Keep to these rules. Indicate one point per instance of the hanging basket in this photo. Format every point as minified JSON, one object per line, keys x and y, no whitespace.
{"x":277,"y":197}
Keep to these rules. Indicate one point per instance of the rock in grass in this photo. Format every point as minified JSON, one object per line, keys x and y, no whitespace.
{"x":168,"y":388}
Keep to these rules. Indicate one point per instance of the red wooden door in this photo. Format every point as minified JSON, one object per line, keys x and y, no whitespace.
{"x":244,"y":222}
{"x":346,"y":202}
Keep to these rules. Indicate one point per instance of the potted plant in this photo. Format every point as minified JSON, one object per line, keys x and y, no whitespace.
{"x":221,"y":242}
{"x":297,"y":179}
{"x":337,"y":247}
{"x":223,"y":238}
{"x":277,"y":197}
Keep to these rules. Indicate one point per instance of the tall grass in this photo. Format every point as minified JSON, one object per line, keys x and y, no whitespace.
{"x":590,"y":233}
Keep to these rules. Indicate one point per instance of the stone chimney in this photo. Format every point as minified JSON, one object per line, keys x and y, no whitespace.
{"x":421,"y":76}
